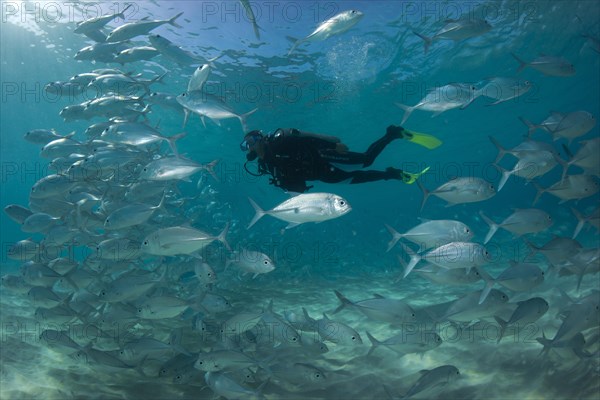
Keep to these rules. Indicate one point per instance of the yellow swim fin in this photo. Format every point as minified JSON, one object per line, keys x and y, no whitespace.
{"x":425,"y":140}
{"x":410,"y":178}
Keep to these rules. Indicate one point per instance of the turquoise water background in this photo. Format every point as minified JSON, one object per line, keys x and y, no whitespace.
{"x":345,"y":86}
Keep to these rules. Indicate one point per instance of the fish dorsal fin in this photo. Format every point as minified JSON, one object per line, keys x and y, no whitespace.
{"x":451,"y":20}
{"x":293,"y":194}
{"x":378,"y":296}
{"x":423,"y":371}
{"x":147,"y":18}
{"x":424,"y":219}
{"x":325,"y":317}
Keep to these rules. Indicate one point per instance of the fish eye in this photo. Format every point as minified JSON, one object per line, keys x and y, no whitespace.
{"x":266,"y":262}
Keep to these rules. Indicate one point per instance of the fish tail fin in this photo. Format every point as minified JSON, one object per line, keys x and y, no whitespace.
{"x":505,"y":175}
{"x":501,"y":150}
{"x":296,"y":44}
{"x":564,"y":164}
{"x":489,"y":284}
{"x":122,"y":13}
{"x":414,"y":260}
{"x":244,"y":116}
{"x":395,"y":237}
{"x":580,"y":222}
{"x":544,"y":341}
{"x":503,"y":325}
{"x":156,"y":79}
{"x":171,"y":140}
{"x":493,"y":227}
{"x":540,"y":191}
{"x":531,"y":127}
{"x":425,"y":194}
{"x":210,"y":168}
{"x":522,"y":64}
{"x":533,"y":249}
{"x":426,"y":39}
{"x":259,"y":213}
{"x":221,"y":238}
{"x":407,"y":111}
{"x":374,"y":343}
{"x":173,"y":19}
{"x":344,"y":302}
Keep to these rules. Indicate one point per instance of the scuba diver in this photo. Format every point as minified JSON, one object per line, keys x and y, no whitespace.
{"x":293,"y":157}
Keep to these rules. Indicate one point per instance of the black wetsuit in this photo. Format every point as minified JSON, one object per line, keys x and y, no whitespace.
{"x":293,"y":157}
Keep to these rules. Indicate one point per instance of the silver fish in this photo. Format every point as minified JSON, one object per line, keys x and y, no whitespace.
{"x":211,"y":107}
{"x":142,"y":27}
{"x":199,"y":77}
{"x":253,"y":262}
{"x":174,"y":168}
{"x":17,"y":213}
{"x":44,"y":136}
{"x":172,"y":51}
{"x":520,"y":222}
{"x":443,"y":98}
{"x":307,"y":207}
{"x":226,"y":387}
{"x":452,"y":255}
{"x":337,"y":24}
{"x":527,"y":312}
{"x":548,"y":65}
{"x":178,"y":240}
{"x":430,"y":234}
{"x":556,"y":250}
{"x":564,"y":125}
{"x":531,"y":165}
{"x":337,"y":332}
{"x":468,"y":308}
{"x":433,"y":378}
{"x":457,"y":30}
{"x":520,"y":277}
{"x":504,"y":89}
{"x":460,"y":190}
{"x":407,"y":343}
{"x":586,"y":158}
{"x":133,"y":54}
{"x":573,"y":187}
{"x":379,"y":309}
{"x":96,"y":23}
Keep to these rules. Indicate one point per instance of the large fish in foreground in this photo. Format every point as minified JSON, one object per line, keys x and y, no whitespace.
{"x":339,"y":23}
{"x":308,"y":207}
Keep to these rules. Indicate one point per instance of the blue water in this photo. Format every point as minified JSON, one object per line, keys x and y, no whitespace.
{"x":345,"y":86}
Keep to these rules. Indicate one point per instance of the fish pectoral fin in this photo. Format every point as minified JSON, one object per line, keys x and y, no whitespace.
{"x":291,"y":225}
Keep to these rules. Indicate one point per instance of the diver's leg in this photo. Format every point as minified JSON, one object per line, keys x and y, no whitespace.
{"x":336,"y":175}
{"x":366,"y":158}
{"x":392,"y":133}
{"x":370,"y":176}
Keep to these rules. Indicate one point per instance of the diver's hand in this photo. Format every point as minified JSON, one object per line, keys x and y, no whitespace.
{"x":341,"y":148}
{"x":395,"y":131}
